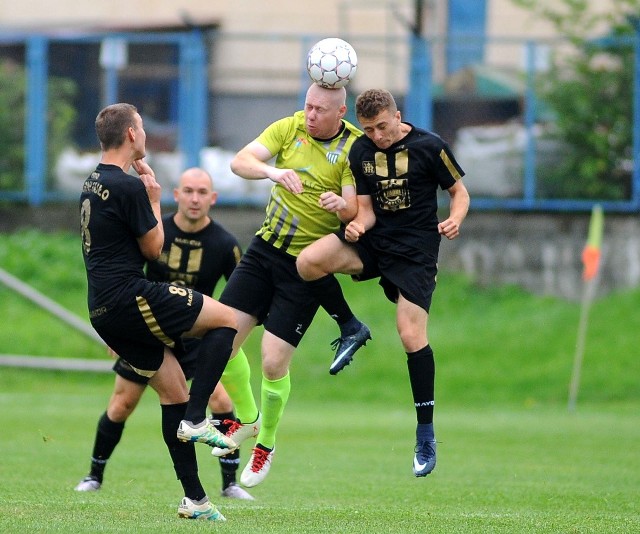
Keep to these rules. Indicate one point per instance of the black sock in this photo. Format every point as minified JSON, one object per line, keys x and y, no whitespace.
{"x":328,"y":293}
{"x":422,"y":374}
{"x":213,"y":355}
{"x":229,"y":463}
{"x":183,"y":454}
{"x":108,"y":436}
{"x":222,"y":417}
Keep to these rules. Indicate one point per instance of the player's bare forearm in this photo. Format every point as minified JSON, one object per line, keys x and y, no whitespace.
{"x":458,"y":208}
{"x":251,"y":164}
{"x":247,"y":165}
{"x":363,"y":221}
{"x":345,"y":208}
{"x":345,"y":205}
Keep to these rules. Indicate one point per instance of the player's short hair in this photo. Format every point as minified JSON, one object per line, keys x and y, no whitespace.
{"x":112,"y":123}
{"x":371,"y":102}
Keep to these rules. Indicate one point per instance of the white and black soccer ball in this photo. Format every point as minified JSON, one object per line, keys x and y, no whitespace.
{"x":332,"y":63}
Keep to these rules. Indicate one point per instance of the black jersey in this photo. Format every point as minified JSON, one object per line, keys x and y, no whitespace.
{"x":114,"y":211}
{"x":403,"y":181}
{"x":197,"y":260}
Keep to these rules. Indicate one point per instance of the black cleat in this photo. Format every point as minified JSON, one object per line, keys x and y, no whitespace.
{"x":347,"y":346}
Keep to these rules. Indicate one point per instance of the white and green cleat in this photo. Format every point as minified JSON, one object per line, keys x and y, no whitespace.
{"x":190,"y":510}
{"x":205,"y":432}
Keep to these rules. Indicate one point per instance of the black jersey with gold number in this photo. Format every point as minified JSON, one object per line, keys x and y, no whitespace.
{"x":114,"y":211}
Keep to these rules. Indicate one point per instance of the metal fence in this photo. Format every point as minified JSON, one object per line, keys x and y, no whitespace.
{"x":490,"y":111}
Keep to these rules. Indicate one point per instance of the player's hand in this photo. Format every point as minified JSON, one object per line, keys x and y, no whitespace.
{"x":449,"y":228}
{"x":332,"y":202}
{"x":353,"y":231}
{"x":148,"y":177}
{"x":142,"y":167}
{"x":287,"y":178}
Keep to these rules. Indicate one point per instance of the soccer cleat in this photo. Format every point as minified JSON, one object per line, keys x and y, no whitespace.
{"x":190,"y":510}
{"x":258,"y":467}
{"x":233,"y":491}
{"x":424,"y":460}
{"x":346,"y":347}
{"x":238,"y":432}
{"x":88,"y":483}
{"x":207,"y":433}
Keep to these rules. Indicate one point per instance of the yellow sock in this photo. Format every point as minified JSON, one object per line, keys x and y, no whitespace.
{"x":236,"y":379}
{"x":274,"y":397}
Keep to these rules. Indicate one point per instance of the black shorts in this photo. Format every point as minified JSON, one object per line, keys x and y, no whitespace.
{"x":186,"y":354}
{"x":266,"y":285}
{"x":409,"y":271}
{"x":148,"y":317}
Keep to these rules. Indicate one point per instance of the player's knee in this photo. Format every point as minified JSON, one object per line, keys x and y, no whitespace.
{"x":214,"y":315}
{"x":120,"y":409}
{"x":307,"y":265}
{"x":228,"y":318}
{"x":413,"y":341}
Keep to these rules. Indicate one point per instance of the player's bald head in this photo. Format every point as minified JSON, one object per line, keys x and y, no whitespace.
{"x":334,"y":97}
{"x":196,"y":174}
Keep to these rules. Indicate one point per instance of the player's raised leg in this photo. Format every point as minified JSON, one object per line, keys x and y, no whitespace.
{"x":237,"y":382}
{"x":217,"y":326}
{"x":316,"y":265}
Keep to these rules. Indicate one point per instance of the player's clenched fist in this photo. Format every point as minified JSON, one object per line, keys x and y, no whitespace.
{"x":353,"y":231}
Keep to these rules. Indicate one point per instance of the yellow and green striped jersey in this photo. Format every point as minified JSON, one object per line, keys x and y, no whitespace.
{"x":294,"y":221}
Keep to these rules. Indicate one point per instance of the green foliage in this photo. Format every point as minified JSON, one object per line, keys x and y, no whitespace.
{"x":589,"y":89}
{"x":61,"y":116}
{"x":12,"y":119}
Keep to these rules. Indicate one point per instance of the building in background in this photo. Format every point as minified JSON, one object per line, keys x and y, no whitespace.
{"x":255,"y":52}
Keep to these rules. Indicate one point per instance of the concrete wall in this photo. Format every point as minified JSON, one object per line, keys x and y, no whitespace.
{"x":540,"y":252}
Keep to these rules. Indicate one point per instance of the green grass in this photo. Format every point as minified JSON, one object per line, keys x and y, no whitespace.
{"x":492,"y":345}
{"x":342,"y":466}
{"x":511,"y":458}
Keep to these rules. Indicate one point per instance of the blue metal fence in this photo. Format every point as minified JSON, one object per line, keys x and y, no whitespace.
{"x":193,"y":124}
{"x":192,"y":100}
{"x":421,"y":84}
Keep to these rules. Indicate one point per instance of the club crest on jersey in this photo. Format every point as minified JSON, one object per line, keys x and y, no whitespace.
{"x":301,"y":141}
{"x":393,"y":195}
{"x":368,"y":168}
{"x":332,"y":157}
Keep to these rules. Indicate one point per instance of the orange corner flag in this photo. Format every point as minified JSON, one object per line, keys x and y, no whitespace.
{"x":591,"y":251}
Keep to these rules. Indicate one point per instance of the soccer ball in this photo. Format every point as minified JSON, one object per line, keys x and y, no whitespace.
{"x":332,"y":63}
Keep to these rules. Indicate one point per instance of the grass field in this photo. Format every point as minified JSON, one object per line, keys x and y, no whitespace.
{"x":511,"y":457}
{"x":342,"y":466}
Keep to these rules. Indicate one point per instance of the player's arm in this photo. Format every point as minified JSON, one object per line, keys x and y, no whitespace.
{"x":151,"y":243}
{"x":364,"y":220}
{"x":458,"y":208}
{"x":251,"y":163}
{"x":345,"y":206}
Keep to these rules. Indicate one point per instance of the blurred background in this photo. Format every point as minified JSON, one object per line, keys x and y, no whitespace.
{"x":540,"y":102}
